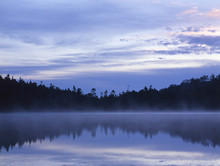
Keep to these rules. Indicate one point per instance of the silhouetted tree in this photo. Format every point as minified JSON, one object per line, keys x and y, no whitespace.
{"x":200,"y":93}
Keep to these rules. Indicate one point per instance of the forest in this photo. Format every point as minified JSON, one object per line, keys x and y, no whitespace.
{"x":194,"y":94}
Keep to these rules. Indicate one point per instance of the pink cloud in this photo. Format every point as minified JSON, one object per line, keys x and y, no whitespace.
{"x":214,"y":13}
{"x":191,"y":11}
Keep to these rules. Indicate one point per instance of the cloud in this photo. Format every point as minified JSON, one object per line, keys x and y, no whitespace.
{"x":201,"y":14}
{"x":190,"y":44}
{"x":201,"y":40}
{"x":55,"y":39}
{"x":192,"y":29}
{"x":138,"y":54}
{"x":214,"y":13}
{"x":190,"y":11}
{"x":156,"y":2}
{"x":212,"y":41}
{"x":78,"y":16}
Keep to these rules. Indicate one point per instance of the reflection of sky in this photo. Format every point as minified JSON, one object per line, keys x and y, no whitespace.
{"x":85,"y":40}
{"x":117,"y":148}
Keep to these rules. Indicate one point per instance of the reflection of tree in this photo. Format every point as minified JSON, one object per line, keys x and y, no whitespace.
{"x":22,"y":128}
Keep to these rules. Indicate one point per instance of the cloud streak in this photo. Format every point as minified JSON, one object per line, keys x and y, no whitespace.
{"x":61,"y":39}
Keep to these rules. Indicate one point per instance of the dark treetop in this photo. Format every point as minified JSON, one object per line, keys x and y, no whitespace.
{"x":202,"y":93}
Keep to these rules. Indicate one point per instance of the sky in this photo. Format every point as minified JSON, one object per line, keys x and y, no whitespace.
{"x":109,"y":44}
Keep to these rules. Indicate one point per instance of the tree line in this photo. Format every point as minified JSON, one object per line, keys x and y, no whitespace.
{"x":200,"y":93}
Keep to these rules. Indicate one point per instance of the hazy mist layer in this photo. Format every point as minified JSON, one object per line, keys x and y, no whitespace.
{"x":19,"y":128}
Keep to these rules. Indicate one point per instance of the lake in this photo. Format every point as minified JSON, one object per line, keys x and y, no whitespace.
{"x":107,"y":139}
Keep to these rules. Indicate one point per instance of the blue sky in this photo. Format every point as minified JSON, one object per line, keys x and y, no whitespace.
{"x":109,"y":44}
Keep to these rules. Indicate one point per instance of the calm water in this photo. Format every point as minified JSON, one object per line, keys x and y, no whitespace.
{"x":128,"y":139}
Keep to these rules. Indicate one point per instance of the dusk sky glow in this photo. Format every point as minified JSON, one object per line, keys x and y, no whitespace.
{"x":109,"y":44}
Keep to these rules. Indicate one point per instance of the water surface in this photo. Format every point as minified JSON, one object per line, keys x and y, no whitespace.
{"x":110,"y":139}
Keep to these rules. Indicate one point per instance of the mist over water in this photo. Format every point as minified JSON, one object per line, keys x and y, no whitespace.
{"x":125,"y":138}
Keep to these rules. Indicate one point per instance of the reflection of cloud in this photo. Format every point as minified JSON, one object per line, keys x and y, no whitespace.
{"x":118,"y":151}
{"x":27,"y":160}
{"x":95,"y":155}
{"x":110,"y":159}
